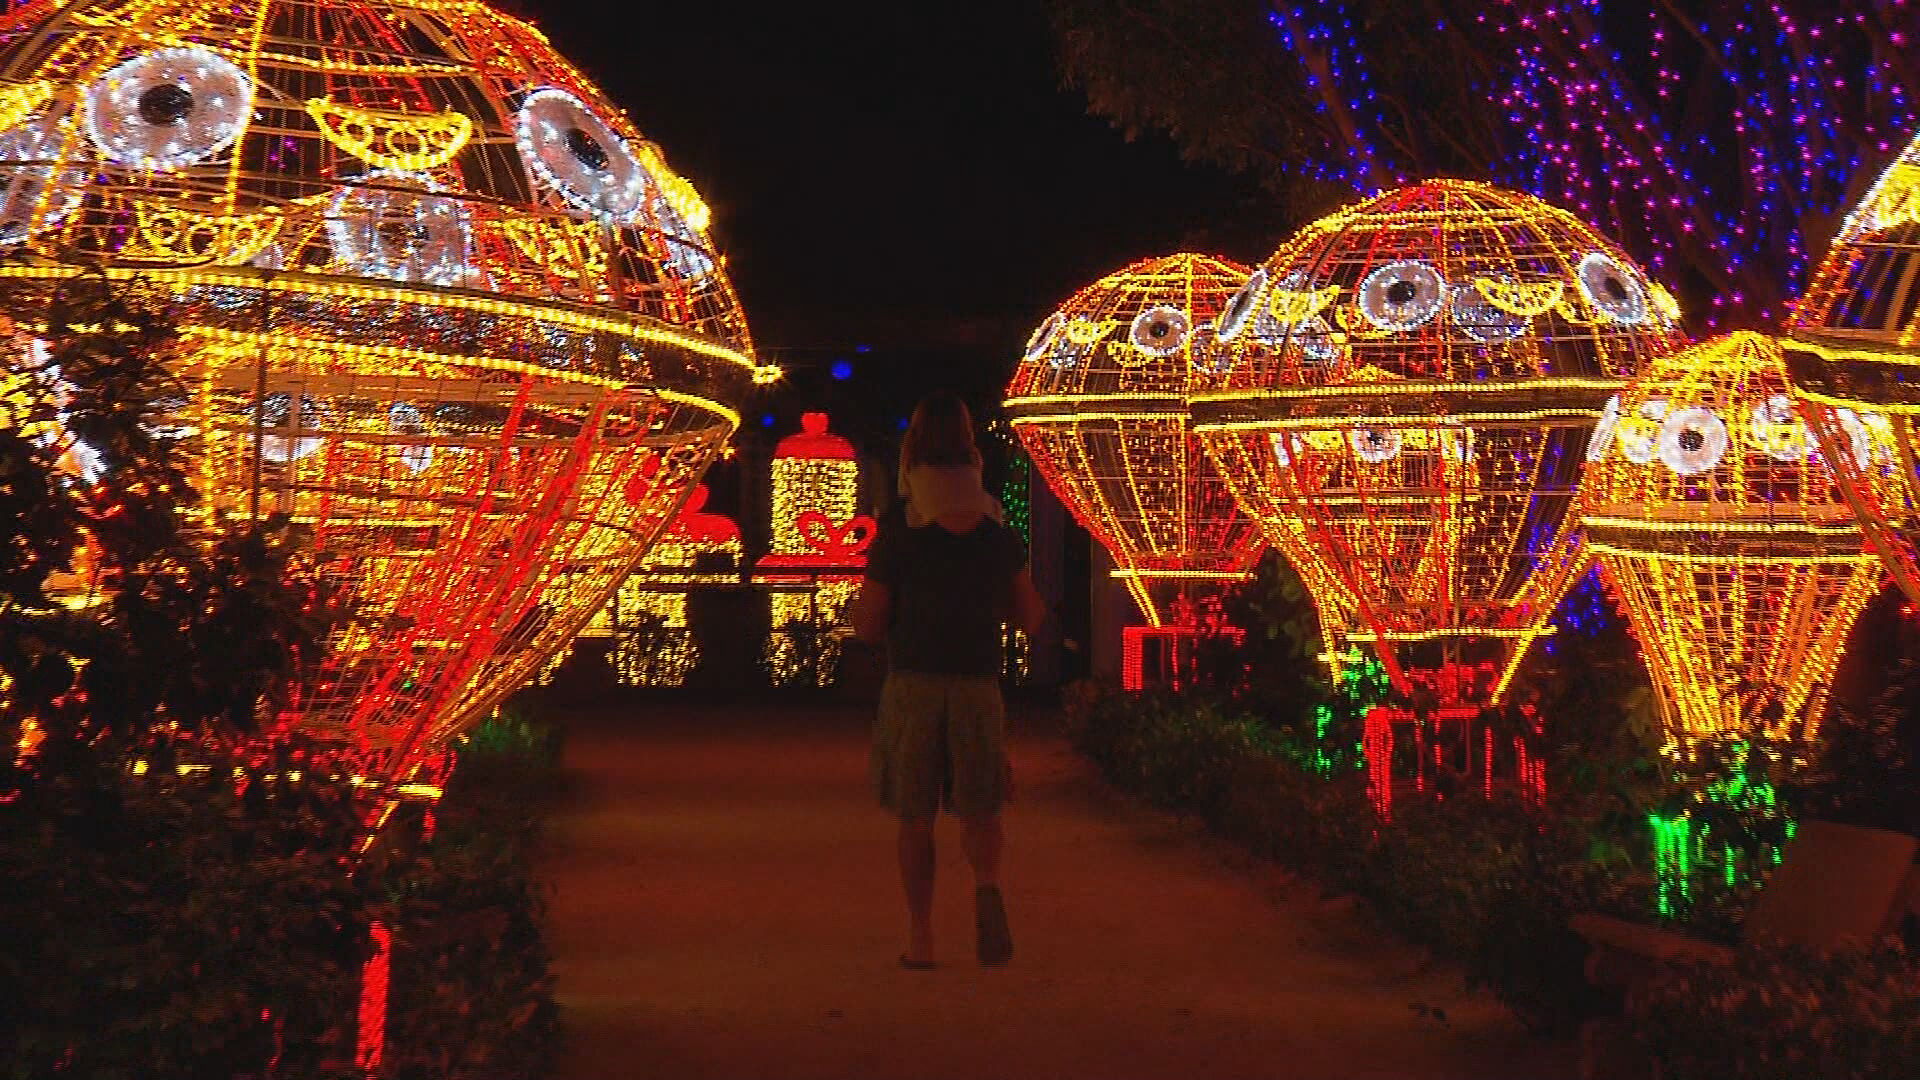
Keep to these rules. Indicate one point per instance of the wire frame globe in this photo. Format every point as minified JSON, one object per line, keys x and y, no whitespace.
{"x":1853,"y":355}
{"x":1099,"y":402}
{"x":1401,"y":397}
{"x":447,"y":311}
{"x":1720,"y":526}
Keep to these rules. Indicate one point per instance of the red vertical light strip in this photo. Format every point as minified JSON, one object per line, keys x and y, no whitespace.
{"x":373,"y":1002}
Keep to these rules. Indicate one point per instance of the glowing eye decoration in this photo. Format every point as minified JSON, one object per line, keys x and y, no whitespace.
{"x":1603,"y":431}
{"x":577,"y":155}
{"x":1481,"y":319}
{"x":405,"y":418}
{"x":1316,"y":340}
{"x":1239,"y":310}
{"x":288,"y":438}
{"x":686,"y":249}
{"x":1640,"y":435}
{"x":1402,"y":295}
{"x":31,"y":197}
{"x":1859,"y":439}
{"x":1158,"y":331}
{"x":1044,"y":335}
{"x":1374,"y":445}
{"x":1692,"y":441}
{"x":401,"y":229}
{"x":1777,"y":429}
{"x":1612,"y":289}
{"x":168,"y":109}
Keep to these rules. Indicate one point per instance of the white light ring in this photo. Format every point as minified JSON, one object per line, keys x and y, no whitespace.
{"x":615,"y":192}
{"x":687,"y":250}
{"x":1602,"y":436}
{"x":1375,"y":445}
{"x":1159,"y":331}
{"x":275,"y":444}
{"x":1692,"y":441}
{"x":1611,"y":289}
{"x":1859,"y":439}
{"x":31,"y":198}
{"x":1241,"y":308}
{"x":1778,"y":431}
{"x":402,"y":230}
{"x":217,"y":96}
{"x":405,"y":418}
{"x":1637,"y":449}
{"x":1402,"y":295}
{"x":1482,"y":320}
{"x":1040,"y":342}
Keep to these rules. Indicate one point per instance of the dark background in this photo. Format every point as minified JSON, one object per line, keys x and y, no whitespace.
{"x":906,"y":179}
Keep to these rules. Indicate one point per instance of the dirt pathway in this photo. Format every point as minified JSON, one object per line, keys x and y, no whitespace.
{"x":726,"y":909}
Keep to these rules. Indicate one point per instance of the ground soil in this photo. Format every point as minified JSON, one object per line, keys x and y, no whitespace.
{"x":725,"y":907}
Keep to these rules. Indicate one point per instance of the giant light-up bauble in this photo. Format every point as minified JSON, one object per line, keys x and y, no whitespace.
{"x":1099,"y":401}
{"x":1402,"y":397}
{"x":1721,"y":529}
{"x":444,"y":308}
{"x":1853,"y":355}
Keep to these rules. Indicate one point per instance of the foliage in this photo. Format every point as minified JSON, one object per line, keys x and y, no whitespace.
{"x":1672,"y":128}
{"x":1786,"y":1014}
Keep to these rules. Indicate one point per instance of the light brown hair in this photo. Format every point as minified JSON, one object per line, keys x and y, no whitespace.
{"x":940,"y":434}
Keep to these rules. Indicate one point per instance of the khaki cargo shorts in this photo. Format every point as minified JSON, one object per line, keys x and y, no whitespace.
{"x":940,"y":744}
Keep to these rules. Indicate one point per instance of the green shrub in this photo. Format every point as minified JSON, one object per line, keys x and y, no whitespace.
{"x":1788,"y":1014}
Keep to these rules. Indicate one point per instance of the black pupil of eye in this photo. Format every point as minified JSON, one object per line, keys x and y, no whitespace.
{"x":165,"y":104}
{"x":1160,"y":329}
{"x":1402,"y":291}
{"x":1615,"y":288}
{"x":1691,"y":440}
{"x":586,"y":149}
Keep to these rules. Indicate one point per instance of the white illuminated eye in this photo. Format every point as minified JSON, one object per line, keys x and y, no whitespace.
{"x":1159,"y":330}
{"x":400,"y":227}
{"x":168,"y":109}
{"x":30,"y":195}
{"x":1043,"y":336}
{"x":1603,"y":431}
{"x":1777,"y":429}
{"x":405,"y":418}
{"x":287,"y":438}
{"x":1613,"y":290}
{"x":1402,"y":295}
{"x":1640,"y":435}
{"x":579,"y":156}
{"x":1480,"y":319}
{"x":1284,"y":444}
{"x":687,"y":250}
{"x":1859,"y":439}
{"x":1692,"y":441}
{"x":1239,"y":311}
{"x":1373,"y":444}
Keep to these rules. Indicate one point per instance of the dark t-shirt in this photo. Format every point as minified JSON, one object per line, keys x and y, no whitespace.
{"x":950,"y":594}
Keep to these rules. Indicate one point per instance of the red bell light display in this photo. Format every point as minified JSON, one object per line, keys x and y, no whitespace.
{"x":445,"y":310}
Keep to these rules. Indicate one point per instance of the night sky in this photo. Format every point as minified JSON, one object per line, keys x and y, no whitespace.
{"x":910,"y":177}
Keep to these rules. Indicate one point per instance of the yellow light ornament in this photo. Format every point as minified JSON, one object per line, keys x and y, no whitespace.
{"x":443,"y":308}
{"x":1739,"y":563}
{"x":1099,"y":401}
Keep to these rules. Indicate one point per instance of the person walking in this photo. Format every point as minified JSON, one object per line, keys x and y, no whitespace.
{"x":943,"y":576}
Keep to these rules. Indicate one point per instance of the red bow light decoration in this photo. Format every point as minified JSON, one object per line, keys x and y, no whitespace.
{"x":842,"y":544}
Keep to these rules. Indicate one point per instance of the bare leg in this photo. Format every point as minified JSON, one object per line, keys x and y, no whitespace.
{"x":916,"y":875}
{"x":982,"y":838}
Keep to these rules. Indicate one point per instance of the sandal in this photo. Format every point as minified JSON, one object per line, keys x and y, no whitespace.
{"x":990,"y":924}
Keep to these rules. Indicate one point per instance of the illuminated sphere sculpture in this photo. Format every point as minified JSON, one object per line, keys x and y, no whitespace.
{"x":445,"y":310}
{"x":1401,"y":397}
{"x":1100,"y":402}
{"x":1853,"y":355}
{"x":1721,"y":529}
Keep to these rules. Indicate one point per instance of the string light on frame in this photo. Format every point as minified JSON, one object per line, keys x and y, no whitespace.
{"x":428,"y":314}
